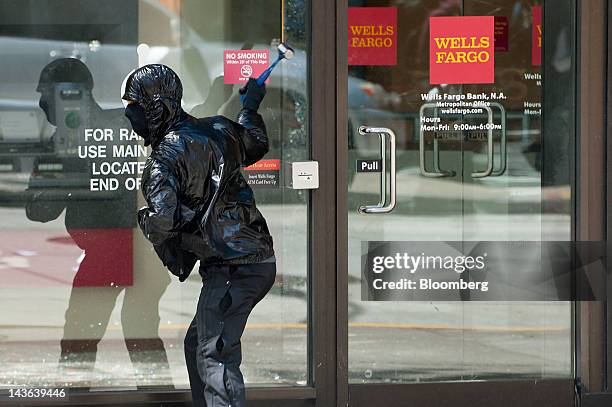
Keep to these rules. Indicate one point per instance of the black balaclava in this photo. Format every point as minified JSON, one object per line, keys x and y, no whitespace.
{"x":136,"y":115}
{"x":157,"y":90}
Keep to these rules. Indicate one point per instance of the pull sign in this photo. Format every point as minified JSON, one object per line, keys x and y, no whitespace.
{"x":369,"y":165}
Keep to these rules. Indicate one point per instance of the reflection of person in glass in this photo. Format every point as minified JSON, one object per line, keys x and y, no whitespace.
{"x":200,"y":207}
{"x":100,"y":223}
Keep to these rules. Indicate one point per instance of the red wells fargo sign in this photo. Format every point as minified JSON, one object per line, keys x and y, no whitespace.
{"x":372,"y":36}
{"x":461,"y":49}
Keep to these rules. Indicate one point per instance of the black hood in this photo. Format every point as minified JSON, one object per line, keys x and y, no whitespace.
{"x":158,"y":89}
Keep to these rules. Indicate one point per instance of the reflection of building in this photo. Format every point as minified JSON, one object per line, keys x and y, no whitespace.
{"x":313,"y":338}
{"x":99,"y":217}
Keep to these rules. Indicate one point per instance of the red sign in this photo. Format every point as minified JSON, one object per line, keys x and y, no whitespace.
{"x":501,"y":33}
{"x":461,"y":49}
{"x":263,"y":174}
{"x":372,"y":36}
{"x":108,"y":257}
{"x":536,"y":36}
{"x":264,"y":165}
{"x":240,"y":65}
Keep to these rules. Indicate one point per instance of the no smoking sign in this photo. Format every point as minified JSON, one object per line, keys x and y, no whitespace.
{"x":246,"y":71}
{"x":240,"y":65}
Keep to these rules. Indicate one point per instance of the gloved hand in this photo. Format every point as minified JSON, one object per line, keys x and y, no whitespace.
{"x":252,"y":94}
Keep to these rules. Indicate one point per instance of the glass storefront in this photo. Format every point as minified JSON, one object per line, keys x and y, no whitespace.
{"x":437,"y":121}
{"x":86,"y":303}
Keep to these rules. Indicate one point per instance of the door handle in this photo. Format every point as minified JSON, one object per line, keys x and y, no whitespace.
{"x":489,"y":169}
{"x":438,"y":173}
{"x":383,"y":206}
{"x":503,"y":148}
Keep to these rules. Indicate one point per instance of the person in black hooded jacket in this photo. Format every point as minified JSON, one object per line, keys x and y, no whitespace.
{"x":200,"y":207}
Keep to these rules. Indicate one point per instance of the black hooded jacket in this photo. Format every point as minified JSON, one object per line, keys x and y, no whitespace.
{"x":199,"y":206}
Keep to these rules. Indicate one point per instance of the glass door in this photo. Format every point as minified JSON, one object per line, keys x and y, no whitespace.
{"x":96,"y":313}
{"x":447,"y":143}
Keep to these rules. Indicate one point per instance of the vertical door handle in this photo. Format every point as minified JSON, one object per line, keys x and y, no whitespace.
{"x":438,"y":173}
{"x":383,"y":206}
{"x":503,"y":149}
{"x":489,"y":169}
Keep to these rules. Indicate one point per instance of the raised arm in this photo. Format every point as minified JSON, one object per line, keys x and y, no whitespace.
{"x":251,"y":131}
{"x":250,"y":126}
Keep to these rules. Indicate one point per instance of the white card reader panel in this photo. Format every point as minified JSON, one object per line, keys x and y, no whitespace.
{"x":305,"y":175}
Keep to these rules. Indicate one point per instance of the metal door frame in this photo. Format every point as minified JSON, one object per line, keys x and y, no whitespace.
{"x":594,"y":319}
{"x":588,"y":192}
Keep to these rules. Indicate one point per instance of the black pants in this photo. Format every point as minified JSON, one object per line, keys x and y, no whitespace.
{"x":212,"y":344}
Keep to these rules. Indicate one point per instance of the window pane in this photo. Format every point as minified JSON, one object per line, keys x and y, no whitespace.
{"x":529,"y":199}
{"x":90,"y":304}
